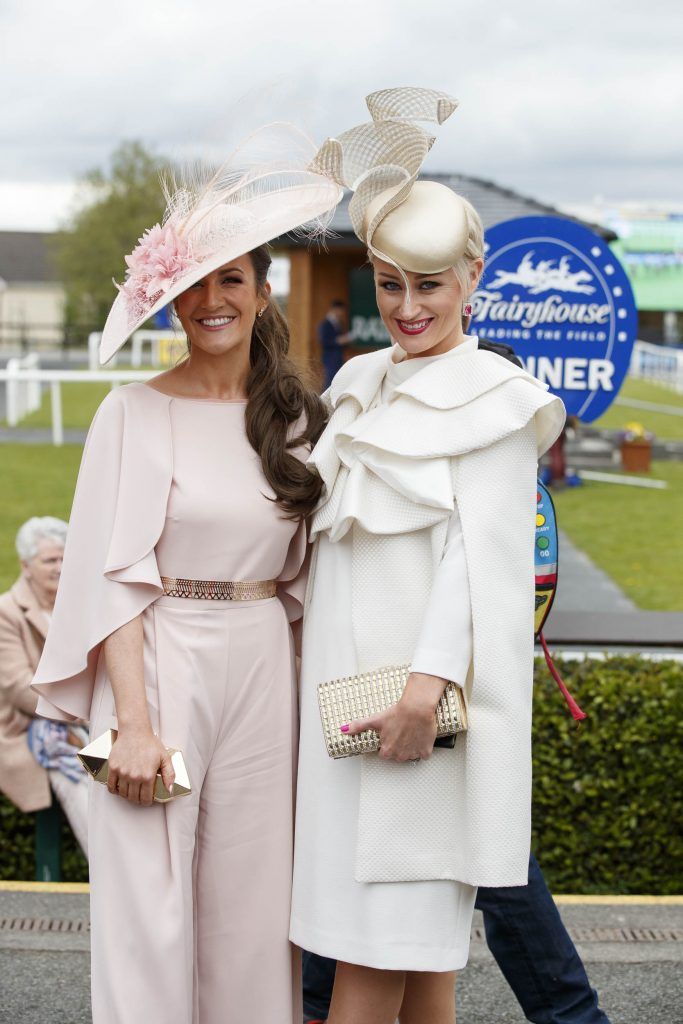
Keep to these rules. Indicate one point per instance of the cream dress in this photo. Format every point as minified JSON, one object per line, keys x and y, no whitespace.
{"x":419,"y":926}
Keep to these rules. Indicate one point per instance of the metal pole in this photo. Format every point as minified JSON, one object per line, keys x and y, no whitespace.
{"x":93,"y":345}
{"x":11,"y":396}
{"x":56,"y":402}
{"x":48,"y":843}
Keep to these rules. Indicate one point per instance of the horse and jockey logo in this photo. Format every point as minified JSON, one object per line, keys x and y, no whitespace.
{"x":545,"y":276}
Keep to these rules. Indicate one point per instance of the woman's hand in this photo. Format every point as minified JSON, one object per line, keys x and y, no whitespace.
{"x":136,"y":757}
{"x":137,"y":754}
{"x":407,"y":730}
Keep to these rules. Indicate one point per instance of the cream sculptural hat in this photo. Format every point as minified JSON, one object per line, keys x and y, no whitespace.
{"x":418,"y":226}
{"x":268,"y":187}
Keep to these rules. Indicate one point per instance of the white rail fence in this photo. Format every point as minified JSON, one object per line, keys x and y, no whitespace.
{"x":23,"y":396}
{"x":55,"y":378}
{"x":24,"y":378}
{"x":161,"y":344}
{"x":659,"y":364}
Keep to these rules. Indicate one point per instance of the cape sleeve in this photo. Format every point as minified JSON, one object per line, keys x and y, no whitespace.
{"x":291,"y":583}
{"x":444,"y":646}
{"x":109,"y":575}
{"x":496,"y":492}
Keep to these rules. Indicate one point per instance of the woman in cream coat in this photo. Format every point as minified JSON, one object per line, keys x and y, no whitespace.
{"x":424,"y":556}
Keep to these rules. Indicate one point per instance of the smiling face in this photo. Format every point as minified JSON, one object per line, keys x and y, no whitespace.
{"x":428,"y":321}
{"x":218,"y":312}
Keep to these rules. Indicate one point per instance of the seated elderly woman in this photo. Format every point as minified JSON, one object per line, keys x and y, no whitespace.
{"x":36,"y":755}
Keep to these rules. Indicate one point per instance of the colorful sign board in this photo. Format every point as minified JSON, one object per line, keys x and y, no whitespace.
{"x":556,"y":292}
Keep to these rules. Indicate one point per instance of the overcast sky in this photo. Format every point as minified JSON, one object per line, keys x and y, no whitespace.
{"x":563,"y":101}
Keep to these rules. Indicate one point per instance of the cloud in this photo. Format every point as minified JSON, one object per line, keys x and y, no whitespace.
{"x":556,"y":96}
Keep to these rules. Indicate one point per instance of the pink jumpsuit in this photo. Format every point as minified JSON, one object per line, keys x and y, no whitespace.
{"x":190,"y":901}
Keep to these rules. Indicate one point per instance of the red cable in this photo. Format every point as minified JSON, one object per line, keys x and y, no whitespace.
{"x":577,"y":714}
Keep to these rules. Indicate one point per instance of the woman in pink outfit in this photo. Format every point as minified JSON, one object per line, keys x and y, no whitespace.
{"x":183,"y":574}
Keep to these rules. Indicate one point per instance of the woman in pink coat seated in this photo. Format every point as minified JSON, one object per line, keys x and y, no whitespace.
{"x":37,"y":757}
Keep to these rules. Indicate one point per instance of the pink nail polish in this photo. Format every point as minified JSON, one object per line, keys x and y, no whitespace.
{"x":344,"y":728}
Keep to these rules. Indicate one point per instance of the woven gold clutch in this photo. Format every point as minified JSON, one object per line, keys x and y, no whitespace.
{"x":354,"y":697}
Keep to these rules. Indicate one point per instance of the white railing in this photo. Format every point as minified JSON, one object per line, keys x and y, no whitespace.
{"x":161,"y":345}
{"x":23,"y":378}
{"x":657,"y":363}
{"x":55,"y":378}
{"x":23,"y":396}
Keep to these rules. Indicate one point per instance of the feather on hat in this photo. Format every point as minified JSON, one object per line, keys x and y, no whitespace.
{"x":415,"y":225}
{"x":268,"y":187}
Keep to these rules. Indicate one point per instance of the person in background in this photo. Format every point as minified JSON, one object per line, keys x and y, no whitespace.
{"x":333,"y":339}
{"x":36,"y":755}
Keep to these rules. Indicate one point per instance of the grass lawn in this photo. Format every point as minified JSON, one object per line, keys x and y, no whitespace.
{"x":633,"y":534}
{"x":37,"y":480}
{"x":665,"y":426}
{"x":79,"y":402}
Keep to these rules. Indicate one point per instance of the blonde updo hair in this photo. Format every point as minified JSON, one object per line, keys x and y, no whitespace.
{"x":474,"y":250}
{"x":474,"y":242}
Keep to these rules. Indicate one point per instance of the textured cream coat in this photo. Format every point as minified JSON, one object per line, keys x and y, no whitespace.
{"x":465,"y":431}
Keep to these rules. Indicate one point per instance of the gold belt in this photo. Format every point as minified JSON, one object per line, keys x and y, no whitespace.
{"x":219,"y":590}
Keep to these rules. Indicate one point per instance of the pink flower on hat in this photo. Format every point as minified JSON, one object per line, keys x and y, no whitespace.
{"x":155,"y":264}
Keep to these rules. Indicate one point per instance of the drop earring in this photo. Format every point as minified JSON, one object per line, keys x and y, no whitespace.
{"x":467,"y":309}
{"x":261,"y":312}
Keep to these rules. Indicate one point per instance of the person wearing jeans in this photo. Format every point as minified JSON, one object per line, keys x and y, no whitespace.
{"x":531,"y":945}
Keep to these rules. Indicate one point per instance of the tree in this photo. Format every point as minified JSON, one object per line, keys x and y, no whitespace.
{"x":112,"y":212}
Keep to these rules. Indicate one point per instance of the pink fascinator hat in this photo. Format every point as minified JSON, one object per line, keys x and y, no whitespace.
{"x":268,"y":187}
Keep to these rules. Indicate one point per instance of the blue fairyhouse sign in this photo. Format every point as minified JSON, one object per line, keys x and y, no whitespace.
{"x":555,"y":291}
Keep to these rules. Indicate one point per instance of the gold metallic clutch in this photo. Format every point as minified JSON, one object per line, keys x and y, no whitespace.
{"x":95,"y":760}
{"x":354,"y":697}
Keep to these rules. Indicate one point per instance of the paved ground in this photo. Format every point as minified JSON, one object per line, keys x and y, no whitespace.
{"x":633,"y":954}
{"x":592,"y":613}
{"x":583,"y":587}
{"x":15,"y":435}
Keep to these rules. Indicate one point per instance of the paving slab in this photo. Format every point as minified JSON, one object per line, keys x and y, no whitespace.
{"x":590,"y":610}
{"x":39,"y":435}
{"x":633,"y":952}
{"x":583,"y":586}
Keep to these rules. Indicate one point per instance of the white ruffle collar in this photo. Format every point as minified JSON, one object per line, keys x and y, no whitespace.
{"x":387,"y":465}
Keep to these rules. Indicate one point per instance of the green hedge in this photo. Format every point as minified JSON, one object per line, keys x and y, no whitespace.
{"x":17,"y":847}
{"x":608,"y":794}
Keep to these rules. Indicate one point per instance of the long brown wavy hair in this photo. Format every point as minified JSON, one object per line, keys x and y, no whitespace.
{"x":278,"y":398}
